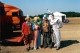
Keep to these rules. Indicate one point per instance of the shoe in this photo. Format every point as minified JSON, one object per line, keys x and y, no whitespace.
{"x":35,"y":48}
{"x":27,"y":49}
{"x":39,"y":47}
{"x":45,"y":47}
{"x":31,"y":48}
{"x":57,"y":48}
{"x":50,"y":47}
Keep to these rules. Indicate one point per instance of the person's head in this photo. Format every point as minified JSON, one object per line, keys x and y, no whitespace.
{"x":36,"y":19}
{"x":45,"y":17}
{"x":27,"y":18}
{"x":52,"y":16}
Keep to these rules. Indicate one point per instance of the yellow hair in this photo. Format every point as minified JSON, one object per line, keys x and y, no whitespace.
{"x":35,"y":18}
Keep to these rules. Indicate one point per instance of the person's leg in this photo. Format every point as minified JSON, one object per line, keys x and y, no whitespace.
{"x":31,"y":45}
{"x":45,"y":40}
{"x":35,"y":39}
{"x":31,"y":41}
{"x":39,"y":40}
{"x":49,"y":40}
{"x":54,"y":38}
{"x":26,"y":42}
{"x":58,"y":38}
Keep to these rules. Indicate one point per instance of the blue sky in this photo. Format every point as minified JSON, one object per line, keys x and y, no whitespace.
{"x":35,"y":7}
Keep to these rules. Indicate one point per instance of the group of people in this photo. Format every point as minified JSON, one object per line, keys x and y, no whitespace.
{"x":32,"y":31}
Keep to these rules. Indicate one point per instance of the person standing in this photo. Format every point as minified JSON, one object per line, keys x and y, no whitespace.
{"x":26,"y":32}
{"x":47,"y":41}
{"x":56,"y":31}
{"x":37,"y":34}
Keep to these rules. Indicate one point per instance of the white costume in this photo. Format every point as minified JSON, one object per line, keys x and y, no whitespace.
{"x":50,"y":18}
{"x":56,"y":32}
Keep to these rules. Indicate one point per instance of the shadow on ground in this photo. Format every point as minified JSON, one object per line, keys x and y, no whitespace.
{"x":66,"y":43}
{"x":7,"y":43}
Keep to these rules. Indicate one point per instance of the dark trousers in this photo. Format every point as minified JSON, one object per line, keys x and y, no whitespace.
{"x":47,"y":41}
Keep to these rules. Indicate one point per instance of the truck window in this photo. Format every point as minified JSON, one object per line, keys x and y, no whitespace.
{"x":20,"y":13}
{"x":14,"y":13}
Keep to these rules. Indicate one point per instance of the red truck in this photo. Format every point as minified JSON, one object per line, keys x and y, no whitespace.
{"x":11,"y":18}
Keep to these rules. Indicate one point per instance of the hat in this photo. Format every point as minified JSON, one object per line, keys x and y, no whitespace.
{"x":45,"y":16}
{"x":27,"y":17}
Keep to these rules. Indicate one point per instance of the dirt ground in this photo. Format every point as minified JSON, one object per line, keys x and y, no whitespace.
{"x":70,"y":41}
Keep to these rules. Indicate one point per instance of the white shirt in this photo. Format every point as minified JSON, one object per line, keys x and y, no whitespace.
{"x":28,"y":23}
{"x":54,"y":23}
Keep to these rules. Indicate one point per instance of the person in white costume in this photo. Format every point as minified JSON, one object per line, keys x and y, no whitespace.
{"x":56,"y":31}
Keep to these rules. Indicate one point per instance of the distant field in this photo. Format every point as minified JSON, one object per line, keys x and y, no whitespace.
{"x":72,"y":28}
{"x":74,"y":19}
{"x":70,"y":40}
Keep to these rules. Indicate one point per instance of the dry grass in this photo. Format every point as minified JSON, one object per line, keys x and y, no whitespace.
{"x":70,"y":37}
{"x":72,"y":29}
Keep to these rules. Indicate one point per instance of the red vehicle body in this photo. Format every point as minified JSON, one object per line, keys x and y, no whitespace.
{"x":11,"y":18}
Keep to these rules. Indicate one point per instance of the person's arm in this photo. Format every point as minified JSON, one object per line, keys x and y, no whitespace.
{"x":32,"y":26}
{"x":49,"y":27}
{"x":51,"y":22}
{"x":39,"y":22}
{"x":42,"y":27}
{"x":36,"y":26}
{"x":60,"y":24}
